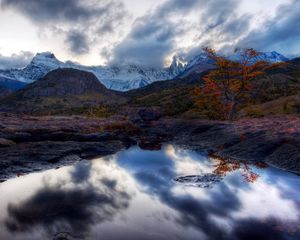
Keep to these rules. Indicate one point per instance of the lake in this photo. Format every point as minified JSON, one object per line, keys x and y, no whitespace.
{"x":171,"y":193}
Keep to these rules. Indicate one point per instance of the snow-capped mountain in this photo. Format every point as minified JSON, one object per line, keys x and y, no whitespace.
{"x":178,"y":65}
{"x":40,"y":65}
{"x":202,"y":62}
{"x":271,"y":57}
{"x":125,"y":77}
{"x":120,"y":78}
{"x":197,"y":64}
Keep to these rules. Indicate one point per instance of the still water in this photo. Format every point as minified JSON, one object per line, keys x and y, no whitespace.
{"x":137,"y":194}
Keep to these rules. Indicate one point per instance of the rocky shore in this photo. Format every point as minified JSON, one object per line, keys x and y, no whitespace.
{"x":34,"y":143}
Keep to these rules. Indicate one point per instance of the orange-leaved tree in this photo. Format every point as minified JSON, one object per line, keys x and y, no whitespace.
{"x":230,"y":84}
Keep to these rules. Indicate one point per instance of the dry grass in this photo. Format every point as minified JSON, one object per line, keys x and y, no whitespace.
{"x":281,"y":106}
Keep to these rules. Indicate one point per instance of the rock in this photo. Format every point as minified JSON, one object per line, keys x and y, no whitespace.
{"x":6,"y":143}
{"x":287,"y":156}
{"x":202,"y":181}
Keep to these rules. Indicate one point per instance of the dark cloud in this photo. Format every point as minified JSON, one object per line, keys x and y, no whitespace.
{"x":150,"y":40}
{"x":43,"y":11}
{"x":157,"y":34}
{"x":217,"y":12}
{"x":82,"y":23}
{"x":178,"y":6}
{"x":15,"y":60}
{"x":81,"y":172}
{"x":154,"y":36}
{"x":282,"y":33}
{"x":77,"y":42}
{"x":59,"y":208}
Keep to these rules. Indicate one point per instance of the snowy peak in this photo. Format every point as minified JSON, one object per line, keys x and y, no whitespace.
{"x":126,"y":77}
{"x":202,"y":62}
{"x":271,"y":57}
{"x":178,"y":65}
{"x":45,"y":58}
{"x":199,"y":59}
{"x":44,"y":55}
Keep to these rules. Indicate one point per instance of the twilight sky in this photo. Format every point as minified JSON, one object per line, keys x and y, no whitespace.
{"x":147,"y":32}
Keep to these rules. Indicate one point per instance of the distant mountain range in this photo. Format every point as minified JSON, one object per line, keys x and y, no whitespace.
{"x":119,"y":78}
{"x":73,"y":91}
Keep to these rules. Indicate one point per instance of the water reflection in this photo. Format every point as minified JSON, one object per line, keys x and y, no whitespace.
{"x":133,"y":195}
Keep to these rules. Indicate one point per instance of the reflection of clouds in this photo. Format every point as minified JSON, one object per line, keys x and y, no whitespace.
{"x":192,"y":212}
{"x":187,"y":162}
{"x":68,"y":206}
{"x":131,"y":195}
{"x":219,"y":213}
{"x":265,"y":201}
{"x":81,"y":172}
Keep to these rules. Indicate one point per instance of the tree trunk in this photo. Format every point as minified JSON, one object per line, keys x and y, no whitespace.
{"x":232,"y":111}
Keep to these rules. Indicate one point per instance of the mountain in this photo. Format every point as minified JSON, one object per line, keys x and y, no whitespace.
{"x":124,"y":77}
{"x":40,"y":65}
{"x":201,"y":62}
{"x":271,"y":57}
{"x":120,"y":78}
{"x":178,"y":65}
{"x":61,"y":91}
{"x":70,"y":91}
{"x":197,"y":65}
{"x":175,"y":97}
{"x":8,"y":85}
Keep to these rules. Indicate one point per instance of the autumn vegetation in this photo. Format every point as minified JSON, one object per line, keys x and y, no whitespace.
{"x":231,"y":85}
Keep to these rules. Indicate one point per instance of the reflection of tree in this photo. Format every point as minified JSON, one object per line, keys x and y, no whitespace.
{"x":225,"y":166}
{"x":197,"y":212}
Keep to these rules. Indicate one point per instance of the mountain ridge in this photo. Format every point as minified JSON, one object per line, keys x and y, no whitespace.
{"x":126,"y":77}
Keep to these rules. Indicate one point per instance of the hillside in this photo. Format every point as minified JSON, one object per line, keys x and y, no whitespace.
{"x":61,"y":91}
{"x":70,"y":91}
{"x":175,"y":97}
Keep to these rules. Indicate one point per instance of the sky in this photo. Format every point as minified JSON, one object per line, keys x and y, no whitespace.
{"x":144,"y":32}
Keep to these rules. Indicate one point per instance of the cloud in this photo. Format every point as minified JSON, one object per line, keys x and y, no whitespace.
{"x":82,"y":24}
{"x":78,"y":42}
{"x":164,"y":31}
{"x":173,"y":27}
{"x":43,"y":11}
{"x":148,"y":43}
{"x":161,"y":31}
{"x":15,"y":60}
{"x":76,"y":209}
{"x":281,"y":33}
